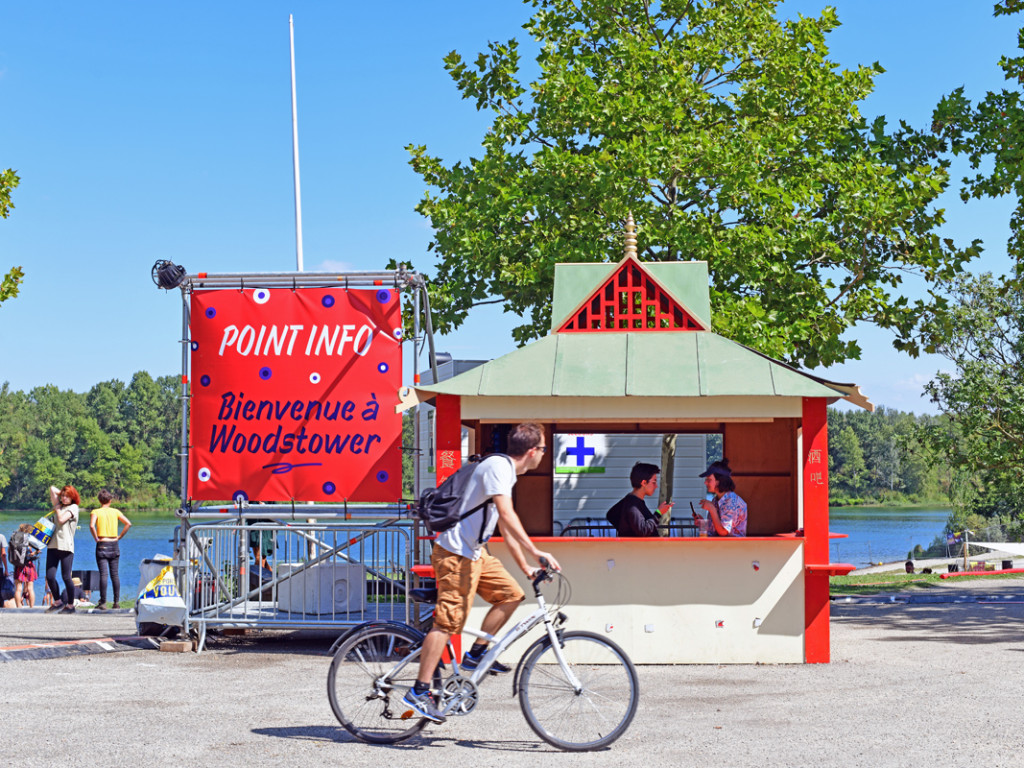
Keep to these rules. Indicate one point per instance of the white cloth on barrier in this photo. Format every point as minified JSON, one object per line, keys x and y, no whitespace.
{"x":159,"y":601}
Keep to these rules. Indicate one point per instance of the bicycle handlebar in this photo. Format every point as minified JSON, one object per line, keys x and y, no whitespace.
{"x":543,"y":575}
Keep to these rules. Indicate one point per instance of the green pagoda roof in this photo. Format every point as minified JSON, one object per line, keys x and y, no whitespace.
{"x":635,"y":329}
{"x":640,"y":364}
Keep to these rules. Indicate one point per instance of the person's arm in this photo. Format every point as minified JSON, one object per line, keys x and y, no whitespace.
{"x":513,"y":531}
{"x":711,"y":507}
{"x":54,"y":497}
{"x":127,"y":525}
{"x":92,"y":525}
{"x":517,"y":553}
{"x":63,"y":514}
{"x":638,"y":525}
{"x":716,"y":520}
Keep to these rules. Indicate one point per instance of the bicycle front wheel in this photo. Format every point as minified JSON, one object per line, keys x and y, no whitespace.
{"x":591,"y":716}
{"x":367,"y":681}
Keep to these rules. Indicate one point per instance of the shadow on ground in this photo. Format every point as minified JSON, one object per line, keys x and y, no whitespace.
{"x":975,"y":623}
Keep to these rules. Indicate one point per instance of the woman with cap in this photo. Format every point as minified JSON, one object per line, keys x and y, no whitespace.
{"x":727,"y":512}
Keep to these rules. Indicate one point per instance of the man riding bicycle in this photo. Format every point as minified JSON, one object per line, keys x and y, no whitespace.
{"x":463,"y":567}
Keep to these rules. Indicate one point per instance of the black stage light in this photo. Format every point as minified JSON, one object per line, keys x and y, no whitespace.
{"x":166,"y":274}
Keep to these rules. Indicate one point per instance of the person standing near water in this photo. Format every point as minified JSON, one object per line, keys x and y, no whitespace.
{"x":103,"y":525}
{"x":61,"y":549}
{"x":22,"y":556}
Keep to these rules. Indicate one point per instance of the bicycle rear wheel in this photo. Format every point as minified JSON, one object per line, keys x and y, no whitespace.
{"x":366,"y":683}
{"x":586,"y":719}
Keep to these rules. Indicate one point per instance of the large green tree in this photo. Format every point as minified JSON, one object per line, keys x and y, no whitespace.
{"x":732,"y":138}
{"x":982,"y":436}
{"x":12,"y":280}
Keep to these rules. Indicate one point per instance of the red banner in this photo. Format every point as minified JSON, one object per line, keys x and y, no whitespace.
{"x":294,"y":394}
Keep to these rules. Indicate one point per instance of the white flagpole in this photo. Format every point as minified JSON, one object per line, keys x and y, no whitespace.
{"x":295,"y":153}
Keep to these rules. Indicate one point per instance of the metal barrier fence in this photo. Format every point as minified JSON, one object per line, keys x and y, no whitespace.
{"x":278,"y":574}
{"x":600,"y":527}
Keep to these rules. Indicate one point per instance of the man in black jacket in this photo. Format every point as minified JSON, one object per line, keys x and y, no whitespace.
{"x":630,"y":515}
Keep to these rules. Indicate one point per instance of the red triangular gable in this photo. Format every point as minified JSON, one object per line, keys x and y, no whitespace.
{"x":630,"y":300}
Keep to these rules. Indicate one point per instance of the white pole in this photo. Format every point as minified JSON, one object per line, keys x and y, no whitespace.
{"x":295,"y":153}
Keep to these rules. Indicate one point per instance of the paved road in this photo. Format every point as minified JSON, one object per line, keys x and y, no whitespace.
{"x":911,"y":684}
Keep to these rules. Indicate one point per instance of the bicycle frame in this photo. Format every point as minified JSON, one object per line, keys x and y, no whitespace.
{"x":500,"y":645}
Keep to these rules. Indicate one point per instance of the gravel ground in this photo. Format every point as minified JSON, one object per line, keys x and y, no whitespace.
{"x":910,"y":684}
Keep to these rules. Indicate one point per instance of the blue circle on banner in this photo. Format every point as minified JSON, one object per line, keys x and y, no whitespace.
{"x":204,"y":380}
{"x":239,"y":496}
{"x":194,"y":345}
{"x":383,"y":367}
{"x":382,"y":476}
{"x":327,"y":301}
{"x":329,"y":488}
{"x":211,"y":313}
{"x":265,"y":373}
{"x":383,"y":296}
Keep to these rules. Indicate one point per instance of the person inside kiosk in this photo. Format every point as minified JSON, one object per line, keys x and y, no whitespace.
{"x":727,"y":512}
{"x":630,"y":515}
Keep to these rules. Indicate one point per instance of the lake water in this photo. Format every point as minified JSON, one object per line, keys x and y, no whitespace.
{"x":875,"y":534}
{"x":882,"y":534}
{"x":150,"y":534}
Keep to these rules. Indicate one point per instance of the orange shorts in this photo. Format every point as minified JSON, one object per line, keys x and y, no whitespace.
{"x":459,"y":579}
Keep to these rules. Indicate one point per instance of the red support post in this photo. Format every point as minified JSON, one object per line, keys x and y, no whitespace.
{"x":815,"y":475}
{"x":448,"y":424}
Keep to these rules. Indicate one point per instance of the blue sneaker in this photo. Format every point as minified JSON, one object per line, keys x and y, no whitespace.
{"x":470,"y":663}
{"x":424,"y":705}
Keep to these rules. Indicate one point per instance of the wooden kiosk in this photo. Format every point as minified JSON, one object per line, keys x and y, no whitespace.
{"x":632,"y":351}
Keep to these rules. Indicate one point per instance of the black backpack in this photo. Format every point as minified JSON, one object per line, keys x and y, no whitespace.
{"x":17,"y":551}
{"x":439,"y":507}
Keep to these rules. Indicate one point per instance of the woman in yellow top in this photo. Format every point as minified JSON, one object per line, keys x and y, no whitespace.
{"x":103,"y":525}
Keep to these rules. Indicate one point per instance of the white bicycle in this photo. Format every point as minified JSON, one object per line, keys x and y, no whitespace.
{"x":578,"y":690}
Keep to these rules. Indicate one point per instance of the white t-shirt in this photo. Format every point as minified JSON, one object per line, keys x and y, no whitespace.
{"x":64,"y":535}
{"x":494,"y":476}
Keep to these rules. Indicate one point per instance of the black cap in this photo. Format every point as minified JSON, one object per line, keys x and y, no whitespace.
{"x":718,"y":468}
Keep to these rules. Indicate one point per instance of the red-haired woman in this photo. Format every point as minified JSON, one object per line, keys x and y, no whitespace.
{"x":61,"y":549}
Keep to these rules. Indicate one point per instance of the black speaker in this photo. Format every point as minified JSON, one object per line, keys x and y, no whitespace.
{"x":167,"y":274}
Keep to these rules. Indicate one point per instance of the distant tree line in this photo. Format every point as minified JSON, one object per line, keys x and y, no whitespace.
{"x":884,"y":457}
{"x":124,"y":438}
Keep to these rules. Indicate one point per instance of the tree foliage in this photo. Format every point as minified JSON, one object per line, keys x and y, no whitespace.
{"x":982,"y":436}
{"x":10,"y":282}
{"x":731,"y":137}
{"x":990,"y":135}
{"x":122,"y":438}
{"x":883,"y":457}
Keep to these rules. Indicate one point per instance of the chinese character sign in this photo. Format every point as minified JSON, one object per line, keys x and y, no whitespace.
{"x":294,"y":393}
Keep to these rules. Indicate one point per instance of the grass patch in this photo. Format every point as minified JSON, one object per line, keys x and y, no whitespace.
{"x":879,"y":583}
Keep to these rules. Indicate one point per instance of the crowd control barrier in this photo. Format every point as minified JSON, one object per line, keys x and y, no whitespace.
{"x":266,"y":571}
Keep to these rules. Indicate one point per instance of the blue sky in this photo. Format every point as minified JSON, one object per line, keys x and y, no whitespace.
{"x":145,"y":132}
